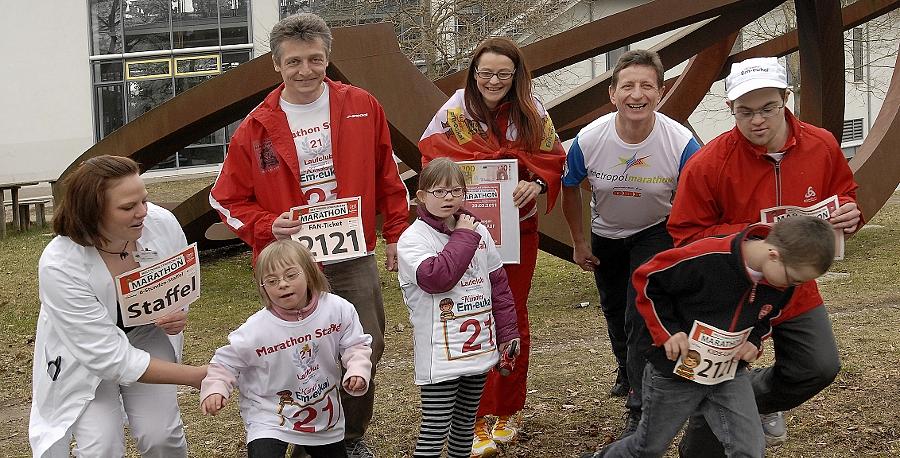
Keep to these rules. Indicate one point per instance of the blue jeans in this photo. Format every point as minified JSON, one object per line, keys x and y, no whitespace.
{"x":728,"y":407}
{"x":806,"y":362}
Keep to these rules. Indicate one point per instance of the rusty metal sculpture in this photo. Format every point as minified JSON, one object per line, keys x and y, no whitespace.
{"x":178,"y":122}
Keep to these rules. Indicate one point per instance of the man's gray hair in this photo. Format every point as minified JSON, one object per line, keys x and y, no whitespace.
{"x":302,"y":26}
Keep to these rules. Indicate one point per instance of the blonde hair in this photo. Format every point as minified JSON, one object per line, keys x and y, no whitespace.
{"x":284,"y":253}
{"x":804,"y":241}
{"x":441,"y":171}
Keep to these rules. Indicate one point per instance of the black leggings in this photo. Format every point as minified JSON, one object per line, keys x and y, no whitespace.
{"x":274,"y":448}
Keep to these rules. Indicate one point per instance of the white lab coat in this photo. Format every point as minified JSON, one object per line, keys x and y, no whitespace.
{"x":77,"y":322}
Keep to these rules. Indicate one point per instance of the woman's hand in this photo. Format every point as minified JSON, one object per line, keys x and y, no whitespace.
{"x":173,"y":323}
{"x":525,"y":192}
{"x":213,"y":404}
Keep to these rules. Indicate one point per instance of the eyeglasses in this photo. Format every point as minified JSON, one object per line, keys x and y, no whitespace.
{"x":788,"y":279}
{"x":766,"y":113}
{"x":440,"y":193}
{"x":502,"y":75}
{"x":289,"y":275}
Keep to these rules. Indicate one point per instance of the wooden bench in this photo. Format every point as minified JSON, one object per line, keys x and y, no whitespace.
{"x":40,"y":216}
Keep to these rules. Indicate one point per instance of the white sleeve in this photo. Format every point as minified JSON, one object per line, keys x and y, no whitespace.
{"x":412,"y":250}
{"x":85,"y":328}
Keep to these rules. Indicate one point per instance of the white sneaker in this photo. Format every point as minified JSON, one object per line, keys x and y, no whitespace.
{"x":482,"y":444}
{"x":773,"y":428}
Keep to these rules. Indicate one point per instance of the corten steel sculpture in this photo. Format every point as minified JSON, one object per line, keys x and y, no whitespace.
{"x":369,"y":57}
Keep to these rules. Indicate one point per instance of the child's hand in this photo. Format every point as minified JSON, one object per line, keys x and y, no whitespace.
{"x":354,"y":384}
{"x":213,"y":404}
{"x":676,"y":345}
{"x":747,"y":352}
{"x":504,"y":346}
{"x":466,"y":222}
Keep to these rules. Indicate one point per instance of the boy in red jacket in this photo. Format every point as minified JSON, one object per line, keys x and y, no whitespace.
{"x":769,"y":159}
{"x":708,"y":306}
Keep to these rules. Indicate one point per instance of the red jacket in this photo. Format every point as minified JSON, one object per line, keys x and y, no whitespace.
{"x":728,"y":181}
{"x":260,"y":178}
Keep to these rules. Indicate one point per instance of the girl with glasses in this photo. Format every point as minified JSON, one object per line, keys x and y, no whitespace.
{"x":496,"y":116}
{"x":286,"y":356}
{"x":460,"y":307}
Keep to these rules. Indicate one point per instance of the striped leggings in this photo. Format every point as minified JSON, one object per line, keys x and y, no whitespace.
{"x":448,"y":408}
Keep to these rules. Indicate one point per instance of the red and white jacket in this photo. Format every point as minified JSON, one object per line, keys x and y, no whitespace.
{"x":260,"y":178}
{"x":725,"y":185}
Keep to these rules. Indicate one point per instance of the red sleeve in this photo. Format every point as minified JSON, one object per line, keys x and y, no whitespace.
{"x":695,"y":211}
{"x":391,"y":198}
{"x":655,"y":287}
{"x":234,"y":198}
{"x":503,"y":307}
{"x":844,"y":185}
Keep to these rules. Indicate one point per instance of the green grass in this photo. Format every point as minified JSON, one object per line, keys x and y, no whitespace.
{"x":572,"y":367}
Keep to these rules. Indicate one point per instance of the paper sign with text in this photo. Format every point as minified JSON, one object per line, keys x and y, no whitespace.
{"x":147,"y":293}
{"x":709,"y":361}
{"x":823,"y":210}
{"x":331,"y":230}
{"x":490,"y":186}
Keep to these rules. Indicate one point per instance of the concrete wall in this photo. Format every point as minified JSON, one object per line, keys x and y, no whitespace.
{"x":47,"y":116}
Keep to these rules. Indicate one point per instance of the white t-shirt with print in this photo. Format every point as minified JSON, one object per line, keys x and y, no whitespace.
{"x":310,"y":126}
{"x":453,"y":332}
{"x":289,"y":372}
{"x":632,"y":184}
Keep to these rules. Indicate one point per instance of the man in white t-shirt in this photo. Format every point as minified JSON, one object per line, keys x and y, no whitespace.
{"x":632,"y":159}
{"x":314,"y":140}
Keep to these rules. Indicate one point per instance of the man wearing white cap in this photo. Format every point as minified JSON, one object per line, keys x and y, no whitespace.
{"x":769,"y":158}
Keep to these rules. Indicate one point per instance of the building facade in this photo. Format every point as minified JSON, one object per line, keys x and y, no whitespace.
{"x":79,"y":70}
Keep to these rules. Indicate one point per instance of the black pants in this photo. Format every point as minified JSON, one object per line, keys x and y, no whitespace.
{"x":806,"y":361}
{"x":274,"y":448}
{"x":618,"y":260}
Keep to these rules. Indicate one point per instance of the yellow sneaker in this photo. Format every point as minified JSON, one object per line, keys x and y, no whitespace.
{"x":503,"y":431}
{"x":482,"y":444}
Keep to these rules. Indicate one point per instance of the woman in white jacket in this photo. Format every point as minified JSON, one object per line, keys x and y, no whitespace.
{"x":86,"y":362}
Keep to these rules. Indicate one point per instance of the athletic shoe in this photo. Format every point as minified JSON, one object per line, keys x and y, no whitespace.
{"x":357,"y":448}
{"x":773,"y":428}
{"x":621,"y":387}
{"x":482,"y":444}
{"x":503,"y":431}
{"x":632,"y":420}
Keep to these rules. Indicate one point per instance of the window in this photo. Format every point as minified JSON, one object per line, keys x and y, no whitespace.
{"x":164,"y":32}
{"x":857,"y":45}
{"x":613,"y":56}
{"x":853,"y":130}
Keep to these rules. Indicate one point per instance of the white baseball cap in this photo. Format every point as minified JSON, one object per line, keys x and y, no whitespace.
{"x":753,"y":74}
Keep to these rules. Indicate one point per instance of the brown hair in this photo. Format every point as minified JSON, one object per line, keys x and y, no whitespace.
{"x":522,"y":112}
{"x":80,"y":210}
{"x":302,"y":27}
{"x":283,"y":253}
{"x":804,"y":241}
{"x":441,"y":170}
{"x":639,"y":57}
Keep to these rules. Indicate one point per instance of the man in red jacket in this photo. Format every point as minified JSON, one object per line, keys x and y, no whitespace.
{"x":770,"y":158}
{"x":315,"y":140}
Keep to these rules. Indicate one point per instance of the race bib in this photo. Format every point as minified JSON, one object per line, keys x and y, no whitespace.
{"x":709,"y":361}
{"x":331,"y":230}
{"x":468,"y":335}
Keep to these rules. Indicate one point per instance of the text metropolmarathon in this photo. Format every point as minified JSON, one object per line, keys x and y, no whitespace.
{"x":632,"y":178}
